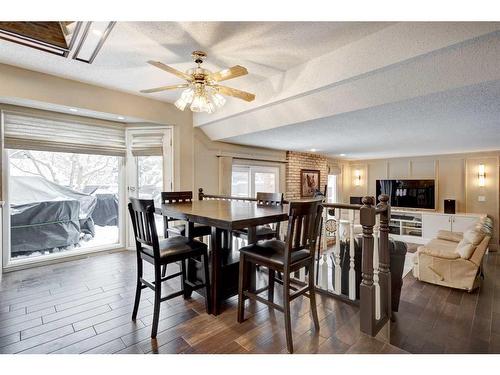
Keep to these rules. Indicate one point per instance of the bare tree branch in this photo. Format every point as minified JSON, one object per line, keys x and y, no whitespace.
{"x":25,"y":171}
{"x":47,"y":165}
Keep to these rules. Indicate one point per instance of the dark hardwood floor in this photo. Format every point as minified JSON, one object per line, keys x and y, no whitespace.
{"x":434,"y":319}
{"x":84,"y":306}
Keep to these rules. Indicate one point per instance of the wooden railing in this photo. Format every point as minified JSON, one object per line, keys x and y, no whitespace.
{"x":202,"y":196}
{"x":375,"y":287}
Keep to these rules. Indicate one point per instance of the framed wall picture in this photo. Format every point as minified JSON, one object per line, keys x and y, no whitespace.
{"x":309,"y":182}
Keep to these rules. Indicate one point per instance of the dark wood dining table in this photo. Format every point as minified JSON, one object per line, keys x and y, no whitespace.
{"x":224,"y":216}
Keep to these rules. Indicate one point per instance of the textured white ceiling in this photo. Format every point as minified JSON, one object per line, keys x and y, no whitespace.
{"x":264,"y":48}
{"x":454,"y":120}
{"x":462,"y":120}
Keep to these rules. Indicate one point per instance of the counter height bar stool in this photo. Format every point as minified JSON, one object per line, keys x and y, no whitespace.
{"x":296,"y":252}
{"x":180,"y":229}
{"x":159,"y":253}
{"x":264,"y":232}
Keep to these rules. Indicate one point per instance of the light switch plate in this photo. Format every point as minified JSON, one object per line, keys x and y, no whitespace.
{"x":481,"y":198}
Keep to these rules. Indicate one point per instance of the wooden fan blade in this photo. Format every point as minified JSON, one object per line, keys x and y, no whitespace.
{"x":171,"y":70}
{"x":229,"y":73}
{"x":236,"y":93}
{"x":164,"y":88}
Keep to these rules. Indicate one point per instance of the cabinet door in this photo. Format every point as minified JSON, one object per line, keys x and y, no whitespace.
{"x":462,"y":223}
{"x":432,"y":223}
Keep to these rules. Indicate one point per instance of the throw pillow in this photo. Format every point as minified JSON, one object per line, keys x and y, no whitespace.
{"x":473,"y":236}
{"x":465,"y":249}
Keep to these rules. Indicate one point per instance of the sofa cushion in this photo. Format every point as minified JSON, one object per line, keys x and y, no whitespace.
{"x":450,"y":236}
{"x":465,"y":249}
{"x":440,"y":248}
{"x":473,"y":236}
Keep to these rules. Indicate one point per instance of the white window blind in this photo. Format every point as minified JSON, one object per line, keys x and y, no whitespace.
{"x":148,"y":144}
{"x":46,"y":134}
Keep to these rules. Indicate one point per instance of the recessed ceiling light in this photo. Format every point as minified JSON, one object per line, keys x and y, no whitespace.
{"x":97,"y":32}
{"x":73,"y":110}
{"x":341,"y":154}
{"x":313,"y":150}
{"x":121,"y":118}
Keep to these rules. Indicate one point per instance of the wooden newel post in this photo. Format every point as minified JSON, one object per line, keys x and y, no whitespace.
{"x":384,"y":255}
{"x":367,"y":289}
{"x":200,"y":194}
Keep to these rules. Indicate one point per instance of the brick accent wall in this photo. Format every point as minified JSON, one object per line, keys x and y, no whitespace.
{"x":296,"y":162}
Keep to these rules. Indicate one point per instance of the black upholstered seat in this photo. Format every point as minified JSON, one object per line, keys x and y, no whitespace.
{"x":263,"y":232}
{"x":199,"y":230}
{"x":272,"y":251}
{"x":175,"y":248}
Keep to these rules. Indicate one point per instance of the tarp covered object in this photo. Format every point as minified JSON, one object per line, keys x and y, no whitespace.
{"x":45,"y":215}
{"x":106,"y":210}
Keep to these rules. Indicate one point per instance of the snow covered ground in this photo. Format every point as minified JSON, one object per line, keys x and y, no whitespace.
{"x":108,"y":235}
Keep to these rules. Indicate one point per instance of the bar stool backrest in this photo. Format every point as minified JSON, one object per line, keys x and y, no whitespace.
{"x":176,"y":196}
{"x":143,"y":221}
{"x":303,"y":226}
{"x":269,"y":199}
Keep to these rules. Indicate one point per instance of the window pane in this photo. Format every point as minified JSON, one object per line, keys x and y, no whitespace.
{"x":332,"y":188}
{"x":150,"y":183}
{"x":265,"y":182}
{"x":240,"y":184}
{"x":62,"y":201}
{"x":150,"y":175}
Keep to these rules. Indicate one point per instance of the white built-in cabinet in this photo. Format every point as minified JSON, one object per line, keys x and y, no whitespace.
{"x":432,"y":223}
{"x":421,"y":227}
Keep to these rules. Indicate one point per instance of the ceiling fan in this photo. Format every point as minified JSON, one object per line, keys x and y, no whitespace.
{"x":202,"y":92}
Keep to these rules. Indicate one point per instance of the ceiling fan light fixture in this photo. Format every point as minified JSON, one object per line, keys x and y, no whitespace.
{"x":185,"y":99}
{"x":181,"y":104}
{"x":218,"y":100}
{"x":203,"y":93}
{"x":199,"y":104}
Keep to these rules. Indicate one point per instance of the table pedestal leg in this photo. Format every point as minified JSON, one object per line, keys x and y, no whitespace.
{"x":252,"y":271}
{"x":216,"y":248}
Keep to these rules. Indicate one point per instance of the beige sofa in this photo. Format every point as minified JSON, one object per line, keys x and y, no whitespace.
{"x":454,"y":259}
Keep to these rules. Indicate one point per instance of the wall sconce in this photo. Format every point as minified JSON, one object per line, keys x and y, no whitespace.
{"x":481,"y":176}
{"x":357,"y":177}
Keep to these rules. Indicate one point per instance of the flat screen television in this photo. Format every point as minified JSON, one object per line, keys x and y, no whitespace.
{"x":408,"y":193}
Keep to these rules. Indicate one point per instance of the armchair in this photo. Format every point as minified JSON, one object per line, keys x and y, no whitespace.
{"x":454,"y":259}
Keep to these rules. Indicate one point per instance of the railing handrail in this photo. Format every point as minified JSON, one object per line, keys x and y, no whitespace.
{"x":202,"y":195}
{"x":344,"y":206}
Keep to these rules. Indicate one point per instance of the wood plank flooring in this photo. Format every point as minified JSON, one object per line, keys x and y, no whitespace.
{"x":84,"y":306}
{"x":434,"y":319}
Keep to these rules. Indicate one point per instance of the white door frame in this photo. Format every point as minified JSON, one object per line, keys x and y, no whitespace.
{"x":168,"y":165}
